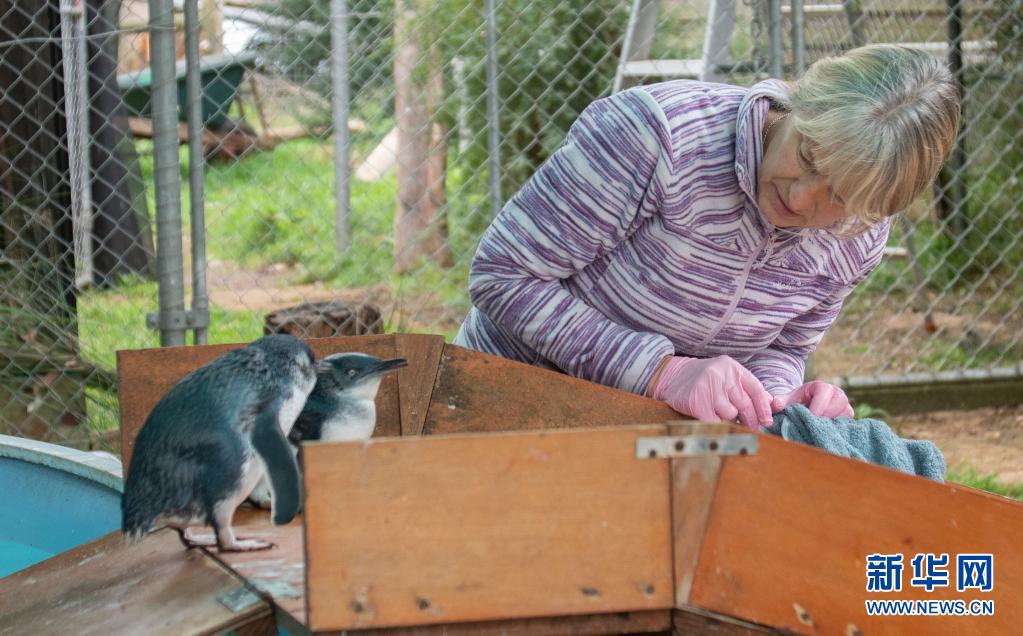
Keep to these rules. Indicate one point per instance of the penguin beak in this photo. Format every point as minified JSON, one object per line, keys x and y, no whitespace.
{"x":387,"y":366}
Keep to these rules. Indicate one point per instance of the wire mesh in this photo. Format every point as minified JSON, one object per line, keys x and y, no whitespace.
{"x":77,"y":208}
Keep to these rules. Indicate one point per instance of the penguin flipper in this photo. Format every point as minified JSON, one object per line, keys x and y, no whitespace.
{"x":281,"y":468}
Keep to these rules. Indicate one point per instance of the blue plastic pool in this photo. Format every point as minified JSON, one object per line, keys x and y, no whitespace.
{"x":55,"y":498}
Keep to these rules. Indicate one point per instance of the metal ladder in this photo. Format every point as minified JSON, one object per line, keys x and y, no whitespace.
{"x":715,"y":63}
{"x":639,"y":35}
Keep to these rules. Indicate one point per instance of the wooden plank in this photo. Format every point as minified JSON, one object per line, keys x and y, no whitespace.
{"x":618,"y":623}
{"x":477,"y":392}
{"x":145,"y":375}
{"x":265,"y":626}
{"x":931,"y":394}
{"x":485,"y":527}
{"x":417,"y":380}
{"x":693,"y":483}
{"x":792,"y":526}
{"x":108,"y":587}
{"x":382,"y":346}
{"x":278,"y":572}
{"x":690,"y":621}
{"x":466,"y":391}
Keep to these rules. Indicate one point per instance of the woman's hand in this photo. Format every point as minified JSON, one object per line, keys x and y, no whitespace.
{"x":823,"y":399}
{"x":713,"y":389}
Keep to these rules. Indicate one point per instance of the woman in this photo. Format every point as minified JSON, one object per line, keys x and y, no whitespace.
{"x":693,"y":241}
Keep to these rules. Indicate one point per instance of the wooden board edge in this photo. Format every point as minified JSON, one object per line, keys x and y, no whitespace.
{"x":752,"y":575}
{"x":261,"y":624}
{"x":688,"y":620}
{"x":120,"y":563}
{"x":323,"y":453}
{"x":122,"y":431}
{"x":417,"y":381}
{"x":693,"y":486}
{"x":635,"y":622}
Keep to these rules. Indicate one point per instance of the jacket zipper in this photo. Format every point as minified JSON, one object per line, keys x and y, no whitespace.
{"x":765,"y":250}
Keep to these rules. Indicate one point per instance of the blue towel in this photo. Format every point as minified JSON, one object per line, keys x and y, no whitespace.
{"x":867,"y":439}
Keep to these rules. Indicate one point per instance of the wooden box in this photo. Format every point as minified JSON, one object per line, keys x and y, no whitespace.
{"x":500,"y":498}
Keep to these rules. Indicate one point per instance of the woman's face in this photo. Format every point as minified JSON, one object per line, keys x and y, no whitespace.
{"x":790,"y":190}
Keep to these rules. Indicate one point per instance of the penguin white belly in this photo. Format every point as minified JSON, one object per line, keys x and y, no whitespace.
{"x":256,"y":486}
{"x":293,"y":405}
{"x":356,"y":423}
{"x":252,"y":470}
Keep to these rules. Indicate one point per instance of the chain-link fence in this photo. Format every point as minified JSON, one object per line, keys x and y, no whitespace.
{"x":426,"y":120}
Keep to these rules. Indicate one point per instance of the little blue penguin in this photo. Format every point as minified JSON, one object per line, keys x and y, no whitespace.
{"x":341,"y":406}
{"x":210,"y":439}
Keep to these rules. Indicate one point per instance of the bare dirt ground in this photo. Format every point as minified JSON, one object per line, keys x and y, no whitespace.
{"x":986,"y":440}
{"x":233,"y":287}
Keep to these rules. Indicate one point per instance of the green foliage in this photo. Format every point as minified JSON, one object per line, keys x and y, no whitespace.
{"x":989,"y":482}
{"x":965,"y":353}
{"x":1008,"y":31}
{"x":273,"y":207}
{"x":278,"y":207}
{"x":992,"y":247}
{"x":864,"y":410}
{"x":298,"y":43}
{"x":554,"y":59}
{"x":114,"y":319}
{"x":125,"y":308}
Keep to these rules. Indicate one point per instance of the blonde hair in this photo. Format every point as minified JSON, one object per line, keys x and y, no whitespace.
{"x":881,"y":120}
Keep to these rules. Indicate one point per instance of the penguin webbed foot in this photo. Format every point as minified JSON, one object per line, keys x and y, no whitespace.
{"x":225,"y":541}
{"x":246,"y":545}
{"x":193,"y":540}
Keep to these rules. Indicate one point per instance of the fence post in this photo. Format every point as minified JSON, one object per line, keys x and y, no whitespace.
{"x":342,"y":143}
{"x":200,"y":315}
{"x":166,"y":175}
{"x":493,"y":114}
{"x":952,"y":198}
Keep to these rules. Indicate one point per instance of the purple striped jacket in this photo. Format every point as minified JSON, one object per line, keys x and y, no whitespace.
{"x":641,"y":238}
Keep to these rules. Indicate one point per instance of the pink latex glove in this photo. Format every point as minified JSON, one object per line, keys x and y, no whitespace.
{"x":714,"y":389}
{"x":826,"y":400}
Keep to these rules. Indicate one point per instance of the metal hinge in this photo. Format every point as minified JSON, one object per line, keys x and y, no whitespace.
{"x":695,"y":446}
{"x":238,"y":599}
{"x":189,"y":319}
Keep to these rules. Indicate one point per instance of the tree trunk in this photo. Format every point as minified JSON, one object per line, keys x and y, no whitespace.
{"x":121,"y":241}
{"x":41,"y":392}
{"x":420,"y":226}
{"x":211,"y":18}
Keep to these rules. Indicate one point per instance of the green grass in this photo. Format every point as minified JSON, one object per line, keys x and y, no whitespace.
{"x":989,"y":482}
{"x":864,"y":410}
{"x":292,"y":221}
{"x":278,"y":207}
{"x":114,"y":319}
